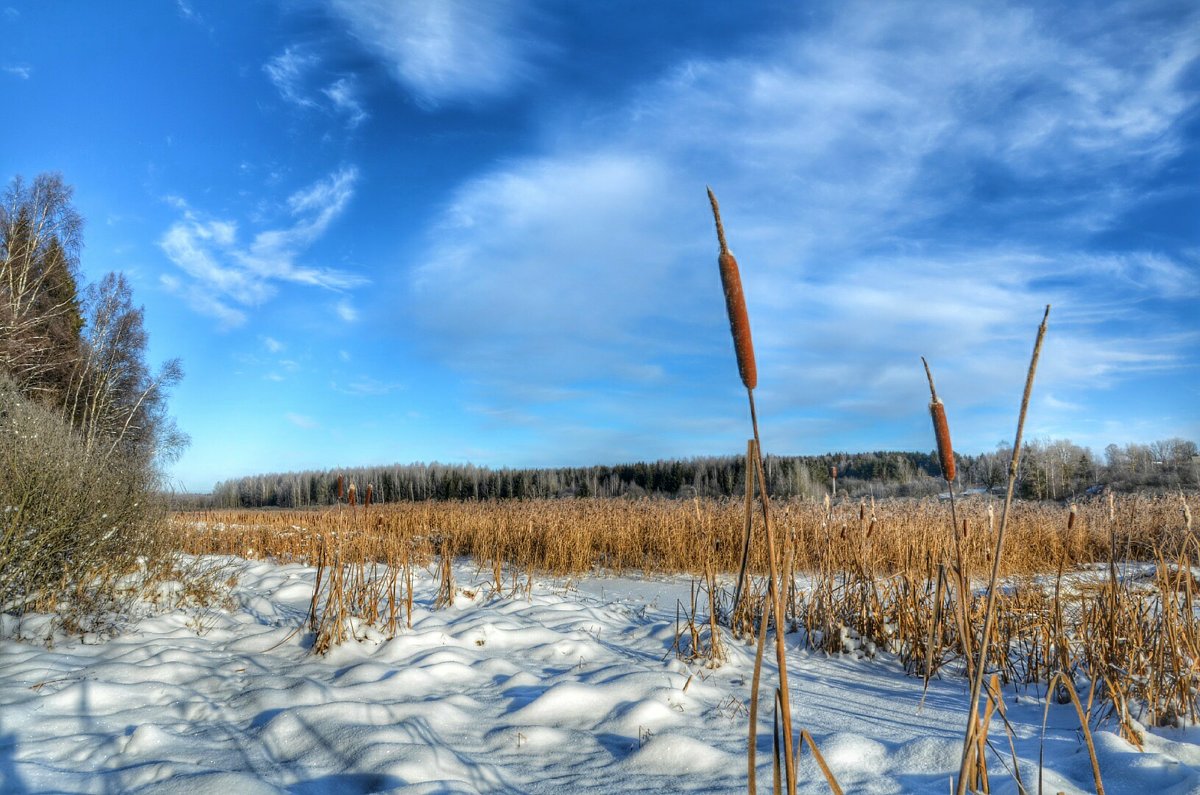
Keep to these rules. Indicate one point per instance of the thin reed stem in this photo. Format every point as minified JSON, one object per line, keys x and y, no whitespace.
{"x":751,"y":453}
{"x":990,"y":609}
{"x":776,"y":597}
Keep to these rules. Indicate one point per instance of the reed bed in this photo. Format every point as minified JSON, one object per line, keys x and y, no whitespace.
{"x":574,"y":536}
{"x":1097,"y":604}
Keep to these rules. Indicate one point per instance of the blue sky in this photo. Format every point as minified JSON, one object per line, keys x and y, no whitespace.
{"x":385,"y":232}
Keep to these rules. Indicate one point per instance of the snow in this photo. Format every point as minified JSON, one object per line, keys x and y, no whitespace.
{"x":572,"y":690}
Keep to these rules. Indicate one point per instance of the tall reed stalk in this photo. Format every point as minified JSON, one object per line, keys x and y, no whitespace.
{"x":941,"y":432}
{"x":968,"y":761}
{"x":739,"y":326}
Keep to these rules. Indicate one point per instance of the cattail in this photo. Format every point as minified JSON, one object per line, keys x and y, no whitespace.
{"x":353,"y":495}
{"x":735,"y":304}
{"x":1071,"y":517}
{"x":941,"y":429}
{"x":339,"y":487}
{"x":964,"y":534}
{"x":1187,"y":512}
{"x":367,"y":501}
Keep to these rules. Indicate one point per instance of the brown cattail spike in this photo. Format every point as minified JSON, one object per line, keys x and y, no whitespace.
{"x":339,"y":487}
{"x":353,"y":492}
{"x":367,"y":501}
{"x":735,"y":304}
{"x":941,"y":428}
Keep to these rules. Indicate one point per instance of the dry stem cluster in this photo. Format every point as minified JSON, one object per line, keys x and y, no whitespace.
{"x":863,"y":578}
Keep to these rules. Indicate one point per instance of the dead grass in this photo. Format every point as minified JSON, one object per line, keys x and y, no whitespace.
{"x":573,"y":536}
{"x":859,"y":578}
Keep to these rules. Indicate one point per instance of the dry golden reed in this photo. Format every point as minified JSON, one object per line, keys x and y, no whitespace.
{"x":969,"y":757}
{"x":572,"y":536}
{"x":735,"y":304}
{"x":739,"y":326}
{"x":878,"y":584}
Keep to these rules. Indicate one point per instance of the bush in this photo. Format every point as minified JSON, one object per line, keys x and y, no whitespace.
{"x":76,"y":521}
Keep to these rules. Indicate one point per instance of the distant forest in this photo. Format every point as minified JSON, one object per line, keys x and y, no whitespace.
{"x":1049,"y":470}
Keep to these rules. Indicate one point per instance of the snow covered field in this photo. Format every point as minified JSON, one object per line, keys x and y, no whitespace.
{"x":572,"y":690}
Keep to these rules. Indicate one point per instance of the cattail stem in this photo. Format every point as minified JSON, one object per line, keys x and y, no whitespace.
{"x":739,"y":326}
{"x":751,"y":452}
{"x":990,"y":609}
{"x":941,"y":432}
{"x":774,"y":593}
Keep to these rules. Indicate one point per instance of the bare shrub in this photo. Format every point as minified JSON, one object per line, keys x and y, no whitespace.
{"x":75,"y":523}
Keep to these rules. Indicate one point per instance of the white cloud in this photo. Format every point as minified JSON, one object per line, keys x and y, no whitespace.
{"x":557,"y":258}
{"x":849,"y":159}
{"x":298,"y":76}
{"x":1150,"y":272}
{"x":346,"y":311}
{"x":445,"y":50}
{"x":19,"y":71}
{"x":203,"y":300}
{"x":225,"y":272}
{"x":301,"y":420}
{"x":188,"y":12}
{"x":273,"y":345}
{"x":365,"y":386}
{"x":343,"y":93}
{"x":288,"y":72}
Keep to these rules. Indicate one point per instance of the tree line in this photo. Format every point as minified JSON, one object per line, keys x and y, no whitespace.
{"x":84,"y":427}
{"x":78,"y":351}
{"x":1050,"y":469}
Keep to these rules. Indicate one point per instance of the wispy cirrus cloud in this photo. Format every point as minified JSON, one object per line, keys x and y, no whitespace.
{"x":226,"y":275}
{"x":344,"y":94}
{"x":898,"y":180}
{"x":298,"y":76}
{"x":562,"y":245}
{"x":20,"y":71}
{"x":288,"y":72}
{"x":446,"y":50}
